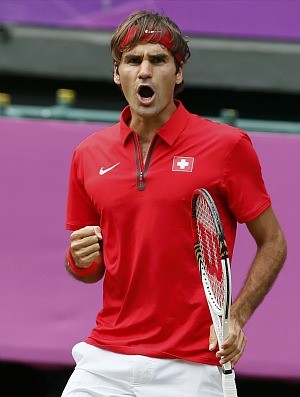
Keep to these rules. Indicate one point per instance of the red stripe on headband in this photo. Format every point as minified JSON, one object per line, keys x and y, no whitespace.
{"x":152,"y":37}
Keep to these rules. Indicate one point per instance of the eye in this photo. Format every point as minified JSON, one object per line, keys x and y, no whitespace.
{"x":133,"y":60}
{"x":158,"y":59}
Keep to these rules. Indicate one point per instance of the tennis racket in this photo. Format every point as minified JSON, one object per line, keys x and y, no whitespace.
{"x":214,"y":267}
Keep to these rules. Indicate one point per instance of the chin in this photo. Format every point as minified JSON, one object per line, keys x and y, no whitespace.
{"x":146,"y":111}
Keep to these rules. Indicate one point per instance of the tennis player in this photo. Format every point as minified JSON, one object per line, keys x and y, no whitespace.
{"x":129,"y":207}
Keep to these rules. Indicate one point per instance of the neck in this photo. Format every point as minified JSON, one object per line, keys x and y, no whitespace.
{"x":146,"y":127}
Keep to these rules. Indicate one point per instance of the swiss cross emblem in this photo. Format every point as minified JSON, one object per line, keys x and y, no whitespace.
{"x":183,"y":164}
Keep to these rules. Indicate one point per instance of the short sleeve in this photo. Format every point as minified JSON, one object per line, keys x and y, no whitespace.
{"x":80,"y":209}
{"x":243,"y":182}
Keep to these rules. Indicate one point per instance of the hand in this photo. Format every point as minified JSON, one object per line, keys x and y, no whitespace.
{"x":233,"y":347}
{"x":85,"y":247}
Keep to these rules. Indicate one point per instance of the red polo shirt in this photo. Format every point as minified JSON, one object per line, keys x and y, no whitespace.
{"x":153,"y":301}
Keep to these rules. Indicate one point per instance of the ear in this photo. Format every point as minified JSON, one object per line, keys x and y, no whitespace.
{"x":117,"y":78}
{"x":116,"y":74}
{"x":179,"y":75}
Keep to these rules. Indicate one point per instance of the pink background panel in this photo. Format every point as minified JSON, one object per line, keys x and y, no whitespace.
{"x":44,"y":312}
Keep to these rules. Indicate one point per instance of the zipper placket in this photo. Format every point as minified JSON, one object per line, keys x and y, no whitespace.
{"x":141,"y":168}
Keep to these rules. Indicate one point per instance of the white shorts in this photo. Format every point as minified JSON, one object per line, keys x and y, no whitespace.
{"x":101,"y":373}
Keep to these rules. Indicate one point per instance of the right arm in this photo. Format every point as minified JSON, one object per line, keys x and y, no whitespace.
{"x":86,"y":254}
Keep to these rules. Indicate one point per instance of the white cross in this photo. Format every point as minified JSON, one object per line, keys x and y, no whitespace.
{"x":182,"y":164}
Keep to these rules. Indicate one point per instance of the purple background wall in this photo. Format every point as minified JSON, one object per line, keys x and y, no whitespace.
{"x":274,"y":19}
{"x":44,"y":312}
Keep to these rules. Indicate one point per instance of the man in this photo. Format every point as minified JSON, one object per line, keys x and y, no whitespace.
{"x":129,"y":206}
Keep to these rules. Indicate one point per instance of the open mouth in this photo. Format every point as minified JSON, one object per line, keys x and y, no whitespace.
{"x":145,"y":93}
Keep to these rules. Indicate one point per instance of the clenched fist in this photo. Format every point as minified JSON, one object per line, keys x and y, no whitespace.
{"x":85,"y":245}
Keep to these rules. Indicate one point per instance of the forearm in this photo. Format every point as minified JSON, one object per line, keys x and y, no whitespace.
{"x":265,"y":268}
{"x":268,"y":261}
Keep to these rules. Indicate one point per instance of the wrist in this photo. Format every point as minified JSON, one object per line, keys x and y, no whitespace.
{"x":78,"y":271}
{"x":239,"y":314}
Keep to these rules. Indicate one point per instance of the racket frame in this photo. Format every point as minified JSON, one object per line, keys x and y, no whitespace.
{"x":220,"y":314}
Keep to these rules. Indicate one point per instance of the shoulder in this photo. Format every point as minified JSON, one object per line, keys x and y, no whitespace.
{"x":102,"y":138}
{"x":215,"y":132}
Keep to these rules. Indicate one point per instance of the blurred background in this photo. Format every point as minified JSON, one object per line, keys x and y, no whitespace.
{"x":56,"y":88}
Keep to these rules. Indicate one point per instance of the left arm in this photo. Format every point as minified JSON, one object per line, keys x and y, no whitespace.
{"x":268,"y":261}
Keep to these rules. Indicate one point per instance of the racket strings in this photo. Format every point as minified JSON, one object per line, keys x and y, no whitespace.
{"x":210,"y":250}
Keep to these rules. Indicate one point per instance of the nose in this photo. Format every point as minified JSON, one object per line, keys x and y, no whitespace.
{"x":145,"y":70}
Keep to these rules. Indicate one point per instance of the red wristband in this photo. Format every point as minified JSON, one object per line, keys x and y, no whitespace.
{"x":78,"y":271}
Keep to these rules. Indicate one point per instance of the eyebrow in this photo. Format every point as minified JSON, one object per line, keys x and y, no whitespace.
{"x":160,"y":56}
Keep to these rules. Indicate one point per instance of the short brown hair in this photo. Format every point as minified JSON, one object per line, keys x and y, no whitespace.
{"x":147,"y":21}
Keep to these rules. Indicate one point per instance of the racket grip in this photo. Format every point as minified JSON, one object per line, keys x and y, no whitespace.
{"x":229,"y":386}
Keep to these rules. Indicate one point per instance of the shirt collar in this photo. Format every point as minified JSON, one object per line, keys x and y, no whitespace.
{"x":169,"y":132}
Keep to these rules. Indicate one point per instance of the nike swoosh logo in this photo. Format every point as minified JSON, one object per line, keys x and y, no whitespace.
{"x":104,"y":171}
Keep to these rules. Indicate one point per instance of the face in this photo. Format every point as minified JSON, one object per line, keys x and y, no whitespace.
{"x":147,"y":75}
